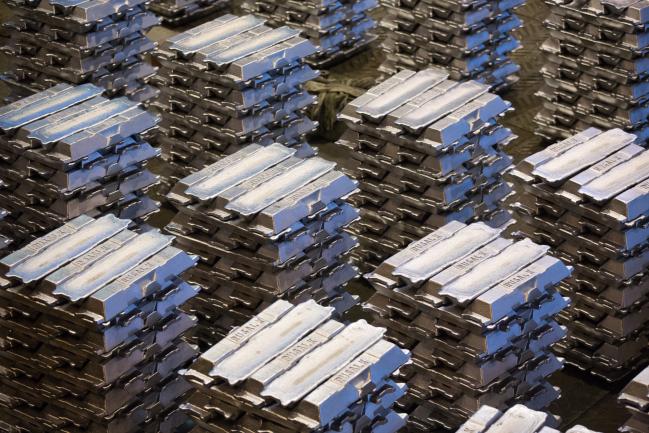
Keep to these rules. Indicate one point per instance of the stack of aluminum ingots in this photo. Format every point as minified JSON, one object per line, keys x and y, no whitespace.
{"x":267,"y":225}
{"x":69,"y":151}
{"x":636,"y":399}
{"x":81,"y":41}
{"x":91,"y":331}
{"x":518,"y":419}
{"x":339,"y":28}
{"x":179,"y":12}
{"x":477,"y":311}
{"x":588,"y":197}
{"x":596,"y":72}
{"x":472,"y":39}
{"x":427,"y":150}
{"x":318,"y":375}
{"x":228,"y":83}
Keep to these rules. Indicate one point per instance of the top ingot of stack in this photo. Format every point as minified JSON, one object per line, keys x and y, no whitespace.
{"x":518,"y":419}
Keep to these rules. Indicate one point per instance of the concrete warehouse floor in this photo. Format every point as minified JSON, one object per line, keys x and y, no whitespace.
{"x":585,"y":400}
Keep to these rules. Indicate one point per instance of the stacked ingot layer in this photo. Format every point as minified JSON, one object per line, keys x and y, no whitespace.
{"x":180,"y":12}
{"x":518,"y":419}
{"x":318,"y":375}
{"x":91,"y":331}
{"x":597,"y":70}
{"x":68,"y":151}
{"x":478,"y":313}
{"x":636,"y":399}
{"x":472,"y":39}
{"x":80,"y":41}
{"x":588,"y":197}
{"x":267,"y":225}
{"x":229,"y":83}
{"x":426,"y":151}
{"x":5,"y":240}
{"x":339,"y":28}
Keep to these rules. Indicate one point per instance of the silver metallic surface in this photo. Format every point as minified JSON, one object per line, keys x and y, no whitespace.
{"x":321,"y":374}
